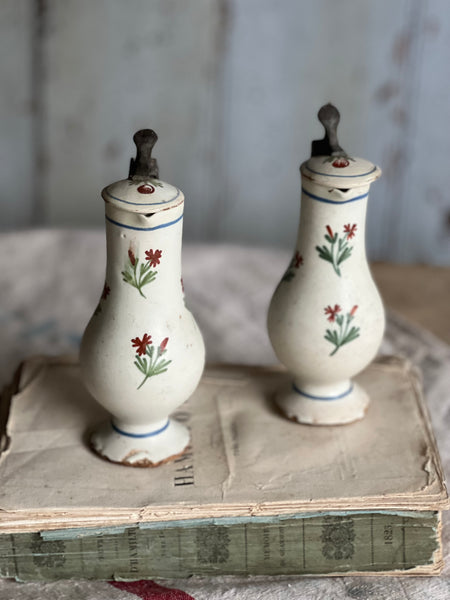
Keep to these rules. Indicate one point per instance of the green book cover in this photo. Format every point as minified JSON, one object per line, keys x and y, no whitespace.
{"x":305,"y":545}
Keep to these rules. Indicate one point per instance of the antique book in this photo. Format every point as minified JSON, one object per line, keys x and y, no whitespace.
{"x":254,"y":494}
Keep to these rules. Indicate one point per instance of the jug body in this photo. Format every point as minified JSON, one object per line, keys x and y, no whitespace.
{"x":142,"y":354}
{"x":326,"y":318}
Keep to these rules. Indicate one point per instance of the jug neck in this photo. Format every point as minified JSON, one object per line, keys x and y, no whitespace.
{"x":332,"y":222}
{"x":144,"y":254}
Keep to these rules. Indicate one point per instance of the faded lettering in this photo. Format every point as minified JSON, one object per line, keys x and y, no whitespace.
{"x":133,"y":550}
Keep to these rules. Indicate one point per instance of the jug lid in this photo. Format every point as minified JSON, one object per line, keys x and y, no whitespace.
{"x":329,"y":164}
{"x":143,"y":191}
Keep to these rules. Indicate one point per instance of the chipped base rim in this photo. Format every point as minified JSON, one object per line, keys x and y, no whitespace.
{"x":150,"y":449}
{"x":331,"y":411}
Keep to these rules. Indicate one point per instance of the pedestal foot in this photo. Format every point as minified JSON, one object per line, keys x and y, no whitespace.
{"x":147,"y":449}
{"x":322,"y":410}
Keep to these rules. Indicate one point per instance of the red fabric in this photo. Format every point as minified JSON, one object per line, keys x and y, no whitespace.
{"x":149,"y":590}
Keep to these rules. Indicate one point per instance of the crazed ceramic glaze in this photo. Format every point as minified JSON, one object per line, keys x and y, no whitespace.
{"x":142,"y":354}
{"x":326,"y":317}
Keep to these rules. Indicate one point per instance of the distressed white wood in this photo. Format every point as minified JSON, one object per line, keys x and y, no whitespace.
{"x":385,"y":65}
{"x":285,"y":60}
{"x":16,"y":139}
{"x":425,"y":218}
{"x":391,"y":52}
{"x":232,"y":88}
{"x":116,"y":67}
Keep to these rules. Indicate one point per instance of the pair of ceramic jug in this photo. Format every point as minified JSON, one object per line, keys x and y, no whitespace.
{"x":142,"y":354}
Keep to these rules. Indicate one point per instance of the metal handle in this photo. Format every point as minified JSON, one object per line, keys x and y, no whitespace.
{"x":329,"y":146}
{"x":144,"y":166}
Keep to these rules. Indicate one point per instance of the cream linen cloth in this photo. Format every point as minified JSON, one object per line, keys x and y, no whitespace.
{"x":50,"y":282}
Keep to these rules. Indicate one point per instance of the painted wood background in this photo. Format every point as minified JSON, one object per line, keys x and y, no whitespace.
{"x":232,"y":88}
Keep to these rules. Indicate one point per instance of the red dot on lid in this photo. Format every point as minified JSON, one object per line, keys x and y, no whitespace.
{"x":146,"y":188}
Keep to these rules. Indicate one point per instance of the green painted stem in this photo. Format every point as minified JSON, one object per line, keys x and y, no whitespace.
{"x":335,"y":350}
{"x":146,"y":377}
{"x":335,"y":267}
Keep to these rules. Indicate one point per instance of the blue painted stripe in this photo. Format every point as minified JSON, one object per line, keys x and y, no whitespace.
{"x":311,"y":397}
{"x":328,"y":201}
{"x":143,"y":228}
{"x":143,"y":203}
{"x":346,"y":176}
{"x":141,"y":435}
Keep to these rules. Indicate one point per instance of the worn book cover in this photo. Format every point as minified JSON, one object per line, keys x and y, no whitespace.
{"x":255,"y":493}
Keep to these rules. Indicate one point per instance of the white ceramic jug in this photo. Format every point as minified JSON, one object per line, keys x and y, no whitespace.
{"x":326,"y":318}
{"x":142,"y":354}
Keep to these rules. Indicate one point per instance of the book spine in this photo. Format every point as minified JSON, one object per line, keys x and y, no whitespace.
{"x":362,"y":542}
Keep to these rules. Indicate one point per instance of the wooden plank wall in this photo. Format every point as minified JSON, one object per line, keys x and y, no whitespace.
{"x":17,"y":133}
{"x":232,"y":87}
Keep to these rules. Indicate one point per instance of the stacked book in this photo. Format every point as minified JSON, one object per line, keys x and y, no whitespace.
{"x":254,"y":494}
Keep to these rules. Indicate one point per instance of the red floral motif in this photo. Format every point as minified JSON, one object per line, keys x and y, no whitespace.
{"x":141,"y":345}
{"x":352,"y":312}
{"x":296,"y":263}
{"x":332,"y":312}
{"x":153,"y":363}
{"x":350,"y":230}
{"x":106,"y":291}
{"x":137,"y":275}
{"x":163,"y":344}
{"x":337,"y":248}
{"x":146,"y":188}
{"x":340,"y":162}
{"x":298,"y":260}
{"x":132,"y":257}
{"x":153,"y":257}
{"x":344,"y":332}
